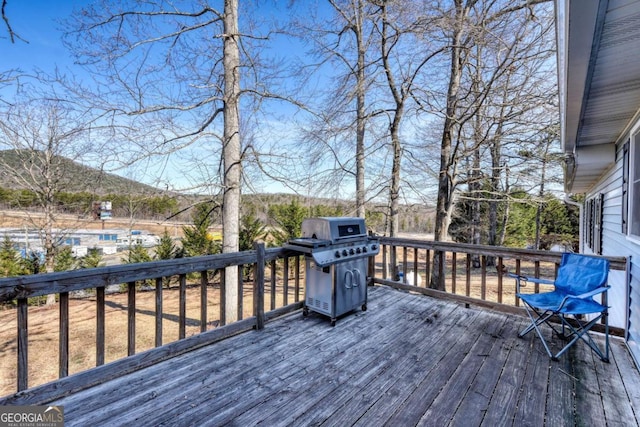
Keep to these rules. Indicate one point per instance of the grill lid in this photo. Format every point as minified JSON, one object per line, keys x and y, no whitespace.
{"x":334,"y":229}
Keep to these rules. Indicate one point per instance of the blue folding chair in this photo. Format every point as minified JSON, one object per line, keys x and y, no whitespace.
{"x":579,"y":279}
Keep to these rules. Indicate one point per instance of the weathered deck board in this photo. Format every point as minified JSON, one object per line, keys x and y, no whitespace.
{"x":408,"y":360}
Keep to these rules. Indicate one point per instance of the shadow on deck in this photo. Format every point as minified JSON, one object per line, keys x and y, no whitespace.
{"x":408,"y":360}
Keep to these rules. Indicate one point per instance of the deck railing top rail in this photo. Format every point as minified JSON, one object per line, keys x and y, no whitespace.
{"x":617,"y":263}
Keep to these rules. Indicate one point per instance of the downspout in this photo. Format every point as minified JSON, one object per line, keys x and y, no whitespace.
{"x":568,"y":201}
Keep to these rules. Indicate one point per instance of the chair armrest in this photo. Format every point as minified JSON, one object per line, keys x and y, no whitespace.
{"x":519,"y":278}
{"x":583,"y":296}
{"x":593,"y":292}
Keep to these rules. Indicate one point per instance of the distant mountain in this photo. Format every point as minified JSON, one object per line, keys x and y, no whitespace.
{"x":28,"y":164}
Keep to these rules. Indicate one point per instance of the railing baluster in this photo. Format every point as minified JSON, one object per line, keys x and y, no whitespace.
{"x":258,"y":284}
{"x":159,"y":311}
{"x":499,"y":271}
{"x":223,"y":298}
{"x":428,"y":272}
{"x":441,"y":267}
{"x":23,"y":344}
{"x":518,"y":269}
{"x":483,"y":277}
{"x":404,"y":264}
{"x":240,"y":284}
{"x":454,"y":268}
{"x":131,"y":318}
{"x":285,"y":282}
{"x":297,"y":278}
{"x":415,"y":266}
{"x":385,"y":266}
{"x":182,"y":318}
{"x":63,"y":354}
{"x":100,"y":325}
{"x":273,"y":284}
{"x":204,"y":281}
{"x":468,"y":277}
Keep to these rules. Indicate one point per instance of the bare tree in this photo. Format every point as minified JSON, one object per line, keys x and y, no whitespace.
{"x":467,"y":24}
{"x":40,"y":137}
{"x":174,"y":70}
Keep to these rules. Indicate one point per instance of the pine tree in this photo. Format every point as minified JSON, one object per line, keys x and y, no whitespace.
{"x":64,"y":259}
{"x":166,"y":249}
{"x":92,"y":259}
{"x":10,"y":264}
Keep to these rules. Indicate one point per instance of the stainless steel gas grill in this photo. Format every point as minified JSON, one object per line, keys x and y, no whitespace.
{"x":336,"y":251}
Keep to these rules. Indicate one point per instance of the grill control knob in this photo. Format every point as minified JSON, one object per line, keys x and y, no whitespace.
{"x":358,"y":250}
{"x":337,"y":254}
{"x":364,"y":249}
{"x":344,"y":252}
{"x":373,"y":247}
{"x":351,"y":252}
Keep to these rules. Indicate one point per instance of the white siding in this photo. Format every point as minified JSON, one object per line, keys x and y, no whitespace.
{"x":615,"y":243}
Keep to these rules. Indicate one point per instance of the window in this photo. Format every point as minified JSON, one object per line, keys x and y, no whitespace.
{"x":625,"y":187}
{"x":593,"y":210}
{"x":634,"y":189}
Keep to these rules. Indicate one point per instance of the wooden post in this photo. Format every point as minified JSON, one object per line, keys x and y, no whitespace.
{"x":131,"y":318}
{"x":223,"y":298}
{"x":273,"y":270}
{"x":285,"y":283}
{"x":204,"y":276}
{"x":182,"y":326}
{"x":100,"y":325}
{"x":240,"y":284}
{"x":159,"y":310}
{"x":63,"y":355}
{"x":297,"y":280}
{"x":258,"y":285}
{"x":23,"y":345}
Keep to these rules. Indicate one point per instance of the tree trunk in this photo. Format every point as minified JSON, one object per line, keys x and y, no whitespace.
{"x":361,"y":115}
{"x":445,"y":189}
{"x":231,"y":155}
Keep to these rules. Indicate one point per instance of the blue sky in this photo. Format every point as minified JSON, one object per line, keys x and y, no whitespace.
{"x":36,"y":21}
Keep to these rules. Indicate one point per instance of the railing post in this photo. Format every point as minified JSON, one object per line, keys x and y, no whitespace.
{"x":182,"y":321}
{"x":204,"y":281}
{"x":23,"y":345}
{"x":258,"y":285}
{"x":100,"y":325}
{"x":131,"y":318}
{"x":63,"y":354}
{"x":159,"y":310}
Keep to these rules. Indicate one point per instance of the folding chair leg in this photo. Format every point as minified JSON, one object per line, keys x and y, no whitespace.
{"x":582,"y":332}
{"x":534,"y":325}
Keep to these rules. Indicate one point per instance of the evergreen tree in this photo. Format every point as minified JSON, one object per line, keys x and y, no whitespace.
{"x":92,"y":259}
{"x":10,"y":264}
{"x":166,"y":248}
{"x":64,"y":259}
{"x":32,"y":263}
{"x":251,"y":229}
{"x":197,"y":240}
{"x":136,"y":254}
{"x":288,"y":219}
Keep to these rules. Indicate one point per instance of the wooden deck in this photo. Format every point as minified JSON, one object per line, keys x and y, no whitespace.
{"x":408,"y":360}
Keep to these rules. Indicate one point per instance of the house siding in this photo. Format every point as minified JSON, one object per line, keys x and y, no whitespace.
{"x":616,"y":243}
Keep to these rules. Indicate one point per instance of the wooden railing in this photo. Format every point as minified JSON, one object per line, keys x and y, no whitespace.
{"x":270,"y":270}
{"x":472,"y":273}
{"x":275,"y":289}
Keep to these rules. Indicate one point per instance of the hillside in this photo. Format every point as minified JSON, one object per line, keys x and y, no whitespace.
{"x":76,"y":177}
{"x":134,"y":201}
